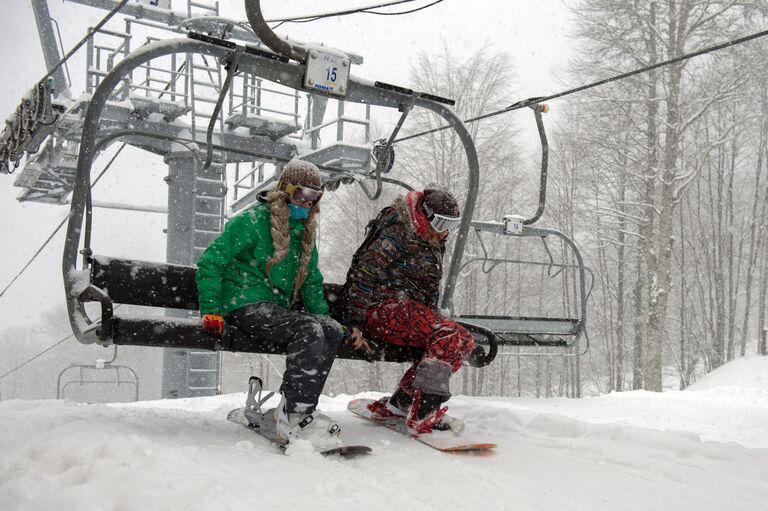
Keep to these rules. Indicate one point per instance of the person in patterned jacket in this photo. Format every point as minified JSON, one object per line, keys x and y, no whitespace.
{"x":391,"y":294}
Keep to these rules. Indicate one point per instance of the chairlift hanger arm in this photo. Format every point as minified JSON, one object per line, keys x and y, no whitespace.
{"x":81,"y":185}
{"x":282,"y":46}
{"x":279,"y":45}
{"x":538,"y":109}
{"x":232,"y":69}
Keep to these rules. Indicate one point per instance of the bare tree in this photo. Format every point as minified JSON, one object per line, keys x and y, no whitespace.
{"x":660,"y":155}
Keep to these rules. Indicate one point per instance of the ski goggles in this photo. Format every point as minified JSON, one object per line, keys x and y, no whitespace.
{"x":441,"y":223}
{"x":305,"y":195}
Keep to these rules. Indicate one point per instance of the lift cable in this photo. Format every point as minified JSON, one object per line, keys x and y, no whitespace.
{"x":84,"y":39}
{"x":532,"y":101}
{"x":363,"y":10}
{"x":314,"y":17}
{"x":35,"y":357}
{"x":38,"y":253}
{"x":45,"y":243}
{"x":403,"y":12}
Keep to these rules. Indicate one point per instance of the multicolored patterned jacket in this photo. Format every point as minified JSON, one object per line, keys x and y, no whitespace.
{"x":401,"y":258}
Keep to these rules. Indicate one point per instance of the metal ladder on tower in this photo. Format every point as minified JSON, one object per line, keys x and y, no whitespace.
{"x":205,"y":82}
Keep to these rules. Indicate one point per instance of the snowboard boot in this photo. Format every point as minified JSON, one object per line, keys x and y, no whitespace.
{"x":449,"y":423}
{"x":426,"y":414}
{"x":322,"y":432}
{"x":394,"y":407}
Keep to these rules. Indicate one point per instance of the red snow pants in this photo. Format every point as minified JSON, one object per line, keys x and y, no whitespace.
{"x":409,"y":323}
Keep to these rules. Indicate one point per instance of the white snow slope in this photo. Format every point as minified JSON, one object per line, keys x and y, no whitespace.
{"x":701,"y":449}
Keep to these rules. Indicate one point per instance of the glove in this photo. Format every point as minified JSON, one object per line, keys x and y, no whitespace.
{"x":213,"y":324}
{"x":356,"y":339}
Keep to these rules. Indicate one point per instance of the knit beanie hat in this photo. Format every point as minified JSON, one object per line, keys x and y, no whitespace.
{"x":441,"y":202}
{"x":299,"y":172}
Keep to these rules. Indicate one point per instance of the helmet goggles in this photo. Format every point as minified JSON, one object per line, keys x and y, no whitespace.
{"x":441,"y":223}
{"x":306,"y":195}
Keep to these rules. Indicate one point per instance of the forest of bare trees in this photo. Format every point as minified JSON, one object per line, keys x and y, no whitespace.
{"x":674,"y":184}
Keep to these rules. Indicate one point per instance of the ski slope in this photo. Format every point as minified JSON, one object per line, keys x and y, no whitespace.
{"x":700,"y":449}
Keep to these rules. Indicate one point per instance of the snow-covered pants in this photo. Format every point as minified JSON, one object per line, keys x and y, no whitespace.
{"x":406,"y":322}
{"x":310,"y":341}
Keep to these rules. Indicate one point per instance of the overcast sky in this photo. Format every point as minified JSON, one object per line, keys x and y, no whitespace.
{"x":533,"y":32}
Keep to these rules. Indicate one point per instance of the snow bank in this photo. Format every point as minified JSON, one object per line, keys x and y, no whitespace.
{"x":746,"y":372}
{"x":728,"y":405}
{"x":184,"y":454}
{"x":706,"y":448}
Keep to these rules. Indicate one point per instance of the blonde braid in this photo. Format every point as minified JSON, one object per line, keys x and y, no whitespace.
{"x":278,"y":221}
{"x":307,"y":244}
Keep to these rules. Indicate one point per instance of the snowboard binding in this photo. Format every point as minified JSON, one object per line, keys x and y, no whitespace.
{"x":262,"y":421}
{"x":254,"y":402}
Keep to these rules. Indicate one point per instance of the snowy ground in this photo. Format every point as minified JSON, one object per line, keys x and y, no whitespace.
{"x":704,"y":448}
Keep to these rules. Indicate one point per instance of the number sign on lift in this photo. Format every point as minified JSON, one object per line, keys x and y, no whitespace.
{"x":327,"y":71}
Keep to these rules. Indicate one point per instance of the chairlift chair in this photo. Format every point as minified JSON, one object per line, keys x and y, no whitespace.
{"x":163,"y":286}
{"x":559,"y":332}
{"x":102,"y":374}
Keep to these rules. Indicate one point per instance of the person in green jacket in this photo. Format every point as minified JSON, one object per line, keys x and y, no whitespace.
{"x":252,"y":276}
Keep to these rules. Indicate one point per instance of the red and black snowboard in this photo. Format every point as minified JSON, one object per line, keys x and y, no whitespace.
{"x":444,"y":441}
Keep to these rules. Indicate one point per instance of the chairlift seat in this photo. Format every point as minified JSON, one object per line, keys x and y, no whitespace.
{"x":528,"y":331}
{"x":524,"y":325}
{"x":172,"y":287}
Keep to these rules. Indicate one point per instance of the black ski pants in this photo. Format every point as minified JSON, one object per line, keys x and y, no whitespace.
{"x":310,"y":341}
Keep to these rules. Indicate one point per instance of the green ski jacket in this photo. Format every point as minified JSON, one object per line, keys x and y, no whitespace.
{"x":232,"y":271}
